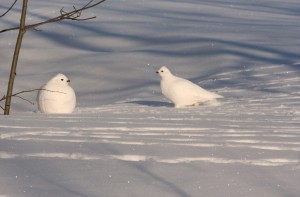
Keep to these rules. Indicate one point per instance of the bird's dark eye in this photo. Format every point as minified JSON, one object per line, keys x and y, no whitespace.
{"x":162,"y":71}
{"x":62,"y":79}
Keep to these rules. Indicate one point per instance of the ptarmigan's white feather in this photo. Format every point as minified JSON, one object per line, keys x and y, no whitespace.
{"x":183,"y":92}
{"x":56,"y":96}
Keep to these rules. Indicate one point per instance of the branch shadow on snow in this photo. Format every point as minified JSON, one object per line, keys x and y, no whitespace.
{"x":140,"y":37}
{"x":170,"y":46}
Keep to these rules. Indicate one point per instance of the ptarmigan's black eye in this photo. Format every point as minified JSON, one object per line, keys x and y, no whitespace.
{"x":62,"y":79}
{"x":161,"y":71}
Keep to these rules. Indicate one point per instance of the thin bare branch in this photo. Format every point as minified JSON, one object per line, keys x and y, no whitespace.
{"x":3,"y":98}
{"x":75,"y":15}
{"x":9,"y":8}
{"x":38,"y":89}
{"x":35,"y":29}
{"x":26,"y":91}
{"x":24,"y":99}
{"x":84,"y":19}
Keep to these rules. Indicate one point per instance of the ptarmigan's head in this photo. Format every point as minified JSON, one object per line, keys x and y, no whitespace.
{"x":164,"y":72}
{"x":59,"y":80}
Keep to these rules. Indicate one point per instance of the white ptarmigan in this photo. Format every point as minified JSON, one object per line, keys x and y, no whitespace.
{"x":182,"y":92}
{"x":56,"y":96}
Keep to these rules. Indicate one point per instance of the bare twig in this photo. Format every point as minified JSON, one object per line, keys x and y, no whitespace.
{"x":3,"y":98}
{"x":9,"y":8}
{"x":38,"y":89}
{"x":35,"y":29}
{"x":74,"y":15}
{"x":26,"y":91}
{"x":24,"y":99}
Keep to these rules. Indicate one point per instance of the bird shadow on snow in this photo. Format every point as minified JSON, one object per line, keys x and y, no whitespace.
{"x":151,"y":103}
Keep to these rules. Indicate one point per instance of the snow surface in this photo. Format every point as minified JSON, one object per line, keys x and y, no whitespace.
{"x":124,"y":138}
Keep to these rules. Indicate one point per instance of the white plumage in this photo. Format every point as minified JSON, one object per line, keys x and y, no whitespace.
{"x":56,"y":96}
{"x":183,"y":92}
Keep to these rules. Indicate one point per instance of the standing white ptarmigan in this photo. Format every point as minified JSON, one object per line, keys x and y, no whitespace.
{"x":56,"y":96}
{"x":182,"y":92}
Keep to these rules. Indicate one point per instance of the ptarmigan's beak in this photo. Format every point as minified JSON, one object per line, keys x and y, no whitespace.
{"x":157,"y":72}
{"x":68,"y":81}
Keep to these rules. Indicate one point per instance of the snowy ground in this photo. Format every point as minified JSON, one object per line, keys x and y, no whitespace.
{"x":124,"y":138}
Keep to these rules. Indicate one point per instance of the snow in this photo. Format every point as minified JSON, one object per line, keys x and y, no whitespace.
{"x":124,"y":138}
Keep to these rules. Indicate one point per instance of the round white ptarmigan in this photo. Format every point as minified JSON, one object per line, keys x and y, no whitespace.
{"x":56,"y":96}
{"x":182,"y":92}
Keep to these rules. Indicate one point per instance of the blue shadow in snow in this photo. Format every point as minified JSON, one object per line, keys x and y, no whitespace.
{"x":152,"y":103}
